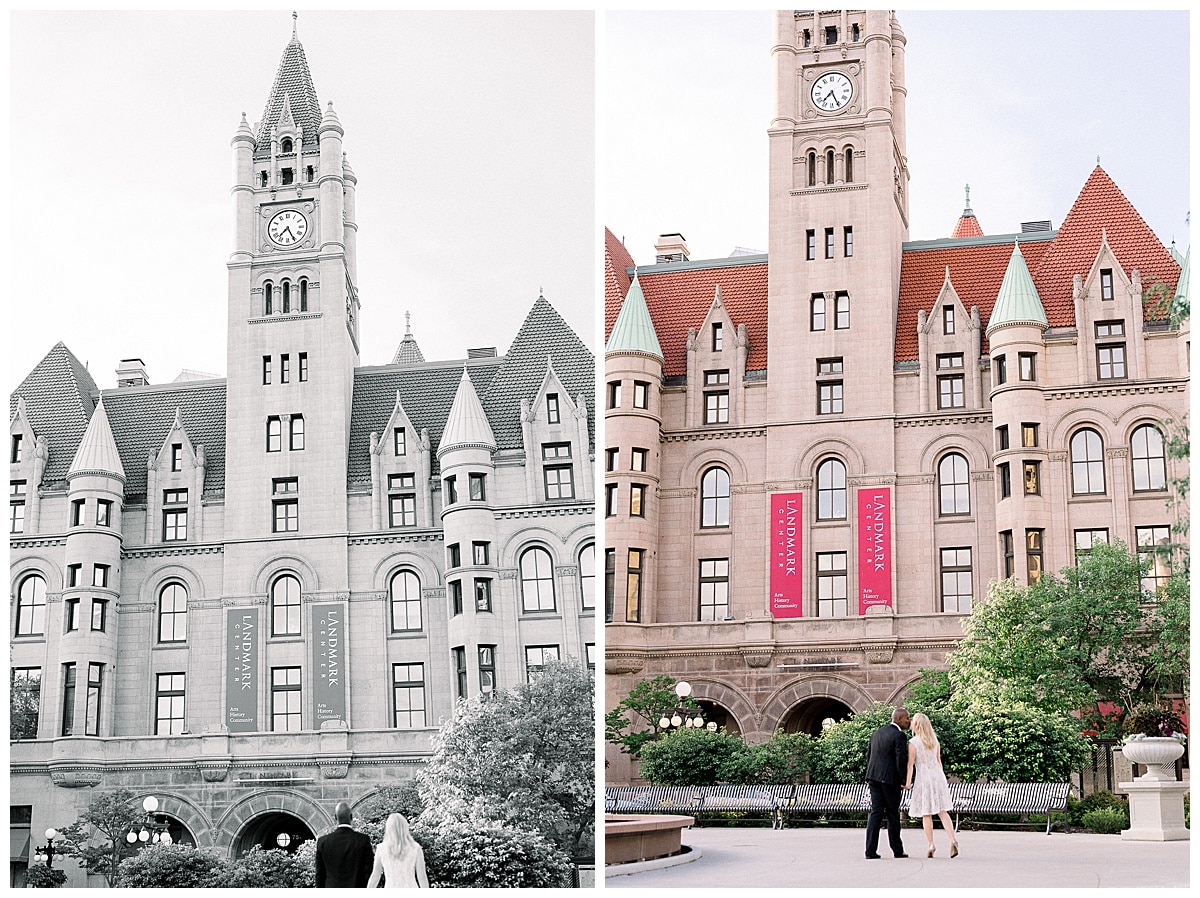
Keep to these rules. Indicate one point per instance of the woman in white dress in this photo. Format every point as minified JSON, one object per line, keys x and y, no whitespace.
{"x":931,"y":794}
{"x":399,"y":858}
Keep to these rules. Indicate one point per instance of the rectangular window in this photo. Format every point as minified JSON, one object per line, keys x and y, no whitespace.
{"x":487,"y":671}
{"x":957,"y":590}
{"x":610,"y":583}
{"x":637,"y":500}
{"x":303,"y":362}
{"x":103,"y":513}
{"x":951,"y":391}
{"x":1110,"y":361}
{"x":614,"y":394}
{"x":831,"y":584}
{"x":17,"y":452}
{"x":633,"y":587}
{"x":829,"y":397}
{"x":297,"y":433}
{"x":1086,"y":539}
{"x":402,"y":510}
{"x":479,"y":553}
{"x":483,"y":595}
{"x":817,"y":314}
{"x":281,"y":486}
{"x":610,"y":500}
{"x":536,"y":657}
{"x":714,"y":588}
{"x":99,"y":615}
{"x":408,"y":696}
{"x":559,"y":482}
{"x":458,"y":657}
{"x":454,"y":555}
{"x":77,"y":512}
{"x":71,"y":613}
{"x":450,"y":490}
{"x":641,"y":394}
{"x":637,"y":459}
{"x":1002,"y":437}
{"x":177,"y":457}
{"x":611,"y":457}
{"x":169,"y":694}
{"x":1029,"y":435}
{"x":829,"y":366}
{"x":478,"y":486}
{"x":552,"y":451}
{"x":26,"y":702}
{"x":456,"y":597}
{"x":949,"y":360}
{"x":947,"y":319}
{"x":274,"y":434}
{"x":811,"y":245}
{"x":68,"y":704}
{"x":553,"y":416}
{"x":847,"y":240}
{"x":1154,"y":548}
{"x":830,"y":35}
{"x":999,"y":370}
{"x":842,"y":311}
{"x":285,"y":516}
{"x":1027,"y":365}
{"x":1006,"y":552}
{"x":285,"y":368}
{"x":95,"y":694}
{"x":1106,"y":283}
{"x":100,"y":575}
{"x":716,"y":407}
{"x":1033,"y":555}
{"x":16,"y":506}
{"x":1032,"y":477}
{"x":717,"y":338}
{"x":285,"y":699}
{"x":1005,"y":476}
{"x":74,"y":575}
{"x":829,"y":243}
{"x":175,"y":515}
{"x":399,"y":443}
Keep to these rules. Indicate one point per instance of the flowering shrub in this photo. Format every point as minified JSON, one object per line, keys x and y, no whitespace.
{"x":466,"y":855}
{"x":1148,"y":720}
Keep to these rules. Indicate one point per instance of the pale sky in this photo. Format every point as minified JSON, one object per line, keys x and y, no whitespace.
{"x":1016,"y":104}
{"x":472,"y":136}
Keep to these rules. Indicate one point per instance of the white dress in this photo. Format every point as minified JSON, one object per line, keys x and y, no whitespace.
{"x":930,"y":793}
{"x":398,"y":873}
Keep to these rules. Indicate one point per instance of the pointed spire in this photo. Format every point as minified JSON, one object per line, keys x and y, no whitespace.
{"x":467,"y":425}
{"x":1181,"y":289}
{"x":1018,"y":301}
{"x":97,"y":452}
{"x":295,"y":17}
{"x":633,"y":331}
{"x":408,"y":352}
{"x":968,"y":224}
{"x":292,"y":81}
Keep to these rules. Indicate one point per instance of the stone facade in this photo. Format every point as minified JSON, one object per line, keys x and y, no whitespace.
{"x":889,"y":425}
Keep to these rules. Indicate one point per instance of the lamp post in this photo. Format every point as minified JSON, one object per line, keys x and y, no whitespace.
{"x":681,"y":716}
{"x":46,"y":852}
{"x":153,"y":829}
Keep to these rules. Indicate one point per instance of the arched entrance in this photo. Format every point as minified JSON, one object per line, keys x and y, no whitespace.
{"x":718,"y":714}
{"x":276,"y":829}
{"x":813,"y":715}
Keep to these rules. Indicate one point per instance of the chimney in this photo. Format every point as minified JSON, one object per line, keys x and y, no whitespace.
{"x":670,"y":248}
{"x":132,"y":373}
{"x":484,"y":352}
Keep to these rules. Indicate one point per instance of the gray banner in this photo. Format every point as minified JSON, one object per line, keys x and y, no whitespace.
{"x":241,"y":683}
{"x":329,"y":663}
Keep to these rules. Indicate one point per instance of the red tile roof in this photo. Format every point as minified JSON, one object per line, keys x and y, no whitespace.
{"x":679,"y":299}
{"x":967,"y":226}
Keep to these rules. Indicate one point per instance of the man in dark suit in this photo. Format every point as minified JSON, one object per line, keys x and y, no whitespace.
{"x":887,"y":765}
{"x":344,"y":856}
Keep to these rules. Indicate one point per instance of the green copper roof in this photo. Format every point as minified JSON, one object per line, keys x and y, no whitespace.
{"x":633,"y":331}
{"x":1018,"y":301}
{"x":1185,"y":273}
{"x":1175,"y":253}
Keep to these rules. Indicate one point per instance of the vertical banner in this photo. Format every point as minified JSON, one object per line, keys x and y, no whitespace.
{"x":241,"y":682}
{"x":786,"y":559}
{"x":329,"y":663}
{"x":874,"y":547}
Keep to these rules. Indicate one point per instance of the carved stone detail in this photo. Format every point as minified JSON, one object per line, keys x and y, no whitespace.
{"x":757,"y":659}
{"x":335,"y":768}
{"x":618,"y":666}
{"x":76,"y":777}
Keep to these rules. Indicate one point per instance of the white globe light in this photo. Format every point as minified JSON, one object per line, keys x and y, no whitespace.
{"x":166,"y":839}
{"x":676,"y":720}
{"x":663,"y":723}
{"x":52,"y":833}
{"x":712,"y":725}
{"x":131,"y":837}
{"x":150,"y":804}
{"x":143,"y":836}
{"x":698,"y":722}
{"x":283,"y":840}
{"x":683,"y":689}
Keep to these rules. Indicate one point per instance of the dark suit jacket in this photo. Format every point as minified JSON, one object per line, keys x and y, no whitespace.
{"x":888,"y":758}
{"x":344,"y":859}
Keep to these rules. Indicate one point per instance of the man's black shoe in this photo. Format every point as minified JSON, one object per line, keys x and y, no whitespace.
{"x":872,"y":857}
{"x":902,"y":855}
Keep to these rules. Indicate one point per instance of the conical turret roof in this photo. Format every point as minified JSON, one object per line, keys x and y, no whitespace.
{"x":968,"y":224}
{"x":1018,"y":301}
{"x":466,"y":425}
{"x":97,"y":452}
{"x":408,"y":352}
{"x":633,"y":331}
{"x":293,"y":90}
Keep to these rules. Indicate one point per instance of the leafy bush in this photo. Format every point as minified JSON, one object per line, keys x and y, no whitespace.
{"x":1105,"y":820}
{"x":171,"y":867}
{"x":692,"y":758}
{"x":1013,"y":744}
{"x":1148,"y":720}
{"x":784,"y":758}
{"x":841,"y":751}
{"x":371,"y":816}
{"x":465,"y":855}
{"x":1077,"y":808}
{"x":41,"y":877}
{"x":266,"y":868}
{"x":931,"y":692}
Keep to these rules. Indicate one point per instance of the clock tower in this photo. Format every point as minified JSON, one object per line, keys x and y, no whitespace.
{"x":293,"y":317}
{"x":838,"y":214}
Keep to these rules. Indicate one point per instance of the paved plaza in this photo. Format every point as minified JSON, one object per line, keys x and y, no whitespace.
{"x":821,"y":857}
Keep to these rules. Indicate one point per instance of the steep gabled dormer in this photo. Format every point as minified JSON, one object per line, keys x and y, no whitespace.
{"x":401,"y":467}
{"x":949,"y":341}
{"x":174,"y":486}
{"x":554,"y":432}
{"x":716,"y":368}
{"x":27,"y":453}
{"x":1109,"y":317}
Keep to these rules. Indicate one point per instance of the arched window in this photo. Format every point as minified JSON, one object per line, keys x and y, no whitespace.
{"x":1149,"y":459}
{"x":954,"y":485}
{"x":537,"y":580}
{"x":269,"y":294}
{"x":31,"y":606}
{"x":587,"y":577}
{"x":714,"y":498}
{"x":303,"y":294}
{"x":287,"y":297}
{"x":812,"y":168}
{"x":831,"y":490}
{"x":829,"y":166}
{"x":405,"y":591}
{"x":285,"y":606}
{"x":172,"y":613}
{"x":849,"y":165}
{"x":285,"y":145}
{"x":1087,"y":462}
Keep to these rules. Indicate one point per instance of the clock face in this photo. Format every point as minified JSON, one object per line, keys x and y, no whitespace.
{"x":832,"y":91}
{"x":287,"y":228}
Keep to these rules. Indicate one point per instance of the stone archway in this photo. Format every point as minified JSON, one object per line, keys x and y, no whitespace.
{"x":813,"y":715}
{"x":251,"y":816}
{"x":810,"y":699}
{"x":731,"y":708}
{"x":714,"y":712}
{"x":274,"y":829}
{"x":187,"y":823}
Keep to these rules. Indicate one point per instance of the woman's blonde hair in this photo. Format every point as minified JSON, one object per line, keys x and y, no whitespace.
{"x":923,"y":730}
{"x":397,"y":837}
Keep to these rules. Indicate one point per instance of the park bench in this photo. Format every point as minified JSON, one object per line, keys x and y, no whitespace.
{"x":822,"y":798}
{"x":1020,"y":799}
{"x":727,"y":799}
{"x":652,"y":799}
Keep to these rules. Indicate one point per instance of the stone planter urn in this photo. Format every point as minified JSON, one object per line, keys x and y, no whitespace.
{"x":1157,"y":753}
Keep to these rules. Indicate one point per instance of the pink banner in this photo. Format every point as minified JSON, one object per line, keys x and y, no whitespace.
{"x":786,"y":559}
{"x":874,"y":547}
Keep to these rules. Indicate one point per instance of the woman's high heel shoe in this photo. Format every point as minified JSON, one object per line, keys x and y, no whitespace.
{"x":931,"y":850}
{"x":953,"y":850}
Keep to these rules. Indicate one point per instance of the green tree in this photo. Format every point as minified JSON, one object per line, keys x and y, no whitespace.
{"x":931,"y":692}
{"x":525,"y":758}
{"x":97,"y":838}
{"x":692,"y":757}
{"x":173,"y":867}
{"x":784,"y":758}
{"x":1012,"y":743}
{"x":841,"y":751}
{"x":633,"y":722}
